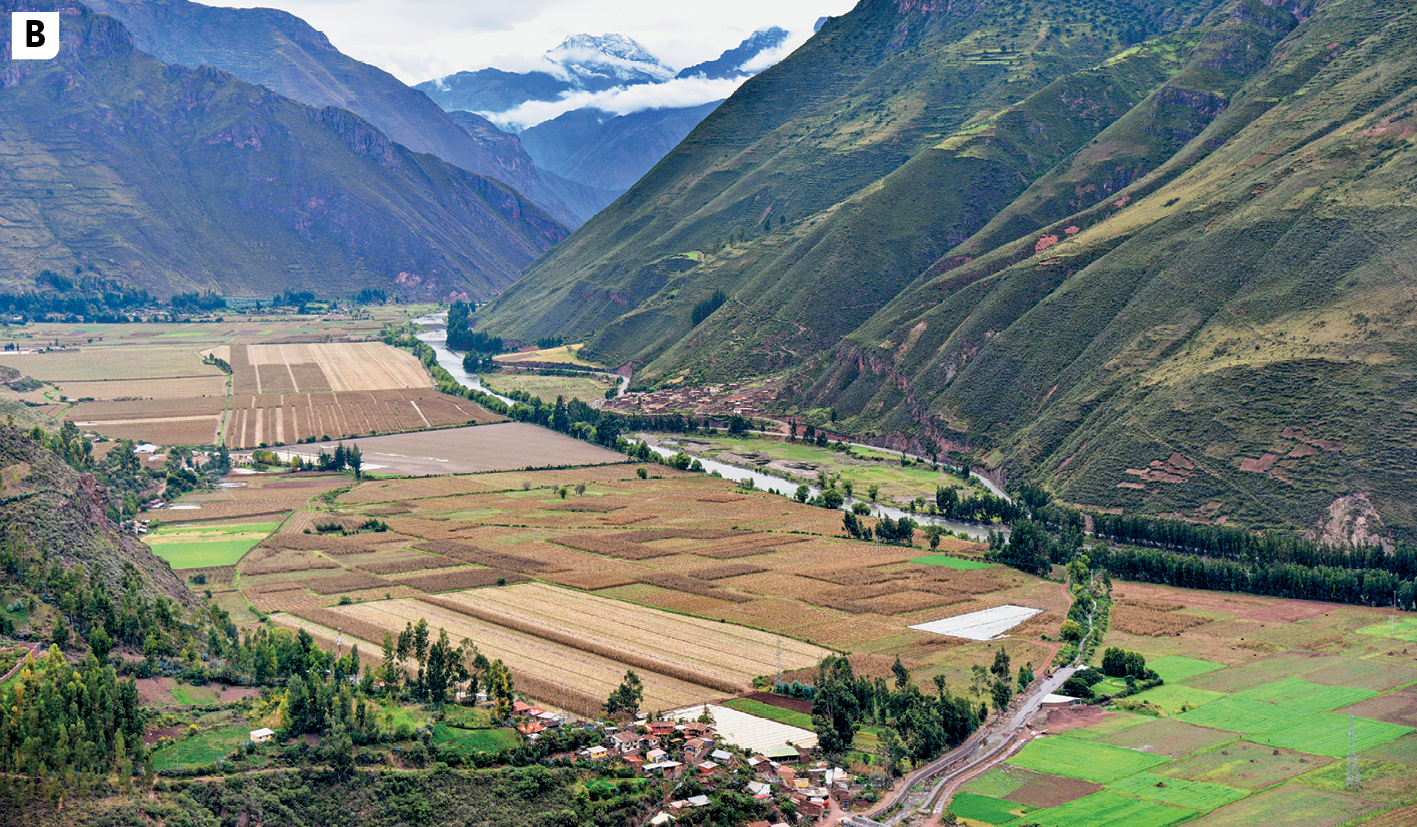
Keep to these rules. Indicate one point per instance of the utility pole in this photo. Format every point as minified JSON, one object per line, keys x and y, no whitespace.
{"x":778,"y":679}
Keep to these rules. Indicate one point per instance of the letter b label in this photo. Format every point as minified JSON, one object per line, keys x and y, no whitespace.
{"x":34,"y":35}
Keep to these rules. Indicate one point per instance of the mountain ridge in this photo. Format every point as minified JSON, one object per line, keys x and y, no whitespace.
{"x":1161,"y":276}
{"x":207,"y":182}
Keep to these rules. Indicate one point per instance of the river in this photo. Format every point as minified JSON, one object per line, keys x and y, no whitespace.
{"x":435,"y":335}
{"x":767,"y":482}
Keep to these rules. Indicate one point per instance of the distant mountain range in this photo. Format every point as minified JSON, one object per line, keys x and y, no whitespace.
{"x":182,"y":179}
{"x":1154,"y":256}
{"x":284,"y":53}
{"x":589,"y":145}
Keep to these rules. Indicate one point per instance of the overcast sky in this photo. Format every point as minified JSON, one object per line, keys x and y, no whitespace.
{"x":419,"y":40}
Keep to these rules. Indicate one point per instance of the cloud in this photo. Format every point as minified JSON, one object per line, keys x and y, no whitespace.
{"x":770,"y":57}
{"x":677,"y":94}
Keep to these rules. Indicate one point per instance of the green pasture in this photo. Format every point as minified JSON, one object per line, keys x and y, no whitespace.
{"x":203,"y":748}
{"x":1106,"y":809}
{"x":1196,"y":795}
{"x":199,"y":546}
{"x":201,"y":554}
{"x":950,"y":562}
{"x":1088,"y":760}
{"x":1175,"y":668}
{"x":1403,"y":629}
{"x":204,"y":530}
{"x":988,"y":810}
{"x":475,"y":740}
{"x":772,"y":713}
{"x":996,"y":783}
{"x":1302,"y":696}
{"x":1322,"y":734}
{"x":1239,"y":715}
{"x":1172,"y":697}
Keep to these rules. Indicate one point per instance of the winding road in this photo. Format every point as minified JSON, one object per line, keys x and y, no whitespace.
{"x":940,"y":779}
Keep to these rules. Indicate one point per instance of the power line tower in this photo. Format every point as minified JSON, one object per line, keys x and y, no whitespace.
{"x":1354,"y":779}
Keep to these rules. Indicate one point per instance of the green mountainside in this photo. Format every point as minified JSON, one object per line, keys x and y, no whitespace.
{"x":1173,"y":277}
{"x":188,"y":179}
{"x":52,"y":514}
{"x":285,"y":54}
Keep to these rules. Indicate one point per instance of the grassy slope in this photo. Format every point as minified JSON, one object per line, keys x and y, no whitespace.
{"x":182,"y":179}
{"x":1254,"y":288}
{"x":770,"y":198}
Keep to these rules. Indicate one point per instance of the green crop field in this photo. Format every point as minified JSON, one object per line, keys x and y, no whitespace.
{"x":202,"y":749}
{"x":1106,"y":809}
{"x":198,"y":546}
{"x":197,"y":529}
{"x":1239,"y":715}
{"x":1303,"y":696}
{"x":475,"y":740}
{"x":1108,"y":726}
{"x":772,"y":713}
{"x":1175,"y":668}
{"x":950,"y":562}
{"x":1193,"y":794}
{"x":1322,"y":734}
{"x":1403,"y":629}
{"x":203,"y":553}
{"x":987,"y":810}
{"x":1172,"y":697}
{"x":1088,"y":760}
{"x":997,"y":782}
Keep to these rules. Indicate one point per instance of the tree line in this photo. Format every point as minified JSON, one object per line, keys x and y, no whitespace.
{"x":917,"y":726}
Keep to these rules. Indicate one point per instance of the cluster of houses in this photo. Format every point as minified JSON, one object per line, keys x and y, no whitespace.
{"x":712,"y":401}
{"x":671,"y":750}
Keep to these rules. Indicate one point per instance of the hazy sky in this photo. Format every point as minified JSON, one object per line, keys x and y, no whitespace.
{"x":418,"y":40}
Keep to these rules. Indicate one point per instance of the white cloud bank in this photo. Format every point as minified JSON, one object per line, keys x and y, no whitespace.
{"x":416,"y":40}
{"x":622,"y":100}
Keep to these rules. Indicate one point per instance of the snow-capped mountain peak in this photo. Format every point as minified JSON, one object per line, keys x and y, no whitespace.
{"x":613,"y":58}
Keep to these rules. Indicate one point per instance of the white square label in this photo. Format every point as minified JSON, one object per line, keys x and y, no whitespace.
{"x":34,"y":35}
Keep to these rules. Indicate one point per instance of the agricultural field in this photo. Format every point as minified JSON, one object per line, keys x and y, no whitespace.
{"x":586,"y":388}
{"x":507,"y":558}
{"x":565,"y":354}
{"x":197,"y":545}
{"x":294,"y":378}
{"x":861,"y":466}
{"x":467,"y":450}
{"x":1251,"y":727}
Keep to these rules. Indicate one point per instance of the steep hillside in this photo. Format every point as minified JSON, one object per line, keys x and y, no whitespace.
{"x":1171,"y":277}
{"x":189,"y":179}
{"x":57,"y":514}
{"x":1231,"y":335}
{"x":284,"y":53}
{"x":768,"y":198}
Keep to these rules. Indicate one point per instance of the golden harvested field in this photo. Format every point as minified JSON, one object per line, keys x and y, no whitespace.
{"x":337,"y":367}
{"x":587,"y":676}
{"x":149,"y":382}
{"x":729,"y":654}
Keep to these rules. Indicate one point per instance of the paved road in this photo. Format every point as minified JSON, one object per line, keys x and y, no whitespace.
{"x":984,"y":748}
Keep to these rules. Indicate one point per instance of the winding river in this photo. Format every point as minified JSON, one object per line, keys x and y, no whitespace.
{"x":435,"y":336}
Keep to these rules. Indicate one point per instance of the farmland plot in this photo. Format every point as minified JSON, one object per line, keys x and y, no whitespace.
{"x":557,"y":669}
{"x":732,"y":655}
